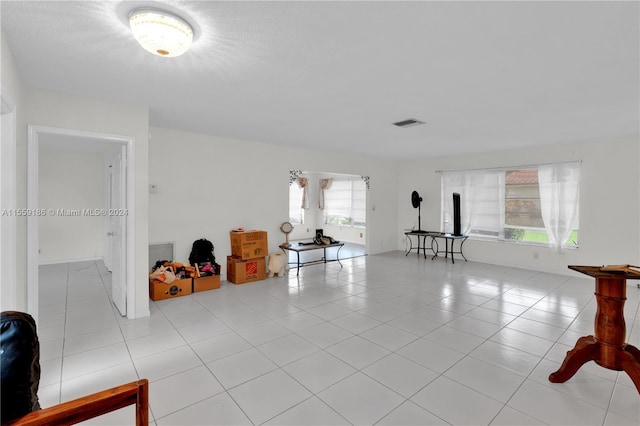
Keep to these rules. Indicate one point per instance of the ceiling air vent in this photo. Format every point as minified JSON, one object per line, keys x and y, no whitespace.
{"x":408,"y":122}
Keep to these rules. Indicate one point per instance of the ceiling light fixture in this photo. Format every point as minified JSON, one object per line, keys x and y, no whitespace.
{"x":160,"y":33}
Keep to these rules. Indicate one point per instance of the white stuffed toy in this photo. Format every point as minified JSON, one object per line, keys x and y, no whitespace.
{"x":277,"y":264}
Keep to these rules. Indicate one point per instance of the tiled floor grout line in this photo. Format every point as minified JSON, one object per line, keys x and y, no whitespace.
{"x":326,"y":282}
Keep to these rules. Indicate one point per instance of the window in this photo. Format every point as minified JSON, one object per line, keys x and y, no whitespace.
{"x":345,"y":203}
{"x":296,"y":212}
{"x":534,"y":204}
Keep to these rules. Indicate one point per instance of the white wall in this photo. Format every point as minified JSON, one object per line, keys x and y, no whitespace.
{"x":208,"y":185}
{"x":609,"y":205}
{"x":71,"y":181}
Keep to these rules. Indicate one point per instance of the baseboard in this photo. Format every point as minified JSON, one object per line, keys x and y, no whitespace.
{"x":57,"y":262}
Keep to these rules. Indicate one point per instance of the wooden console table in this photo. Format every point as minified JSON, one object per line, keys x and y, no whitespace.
{"x":607,"y":346}
{"x":298,"y":248}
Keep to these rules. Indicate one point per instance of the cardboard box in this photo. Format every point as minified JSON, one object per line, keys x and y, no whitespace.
{"x":249,"y":244}
{"x":206,"y":283}
{"x":159,"y":290}
{"x":240,"y":271}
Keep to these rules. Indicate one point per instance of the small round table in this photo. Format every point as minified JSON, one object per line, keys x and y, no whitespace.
{"x":607,"y":346}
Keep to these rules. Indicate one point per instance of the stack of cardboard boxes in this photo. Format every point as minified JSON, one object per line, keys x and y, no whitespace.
{"x":247,"y":262}
{"x":190,"y":281}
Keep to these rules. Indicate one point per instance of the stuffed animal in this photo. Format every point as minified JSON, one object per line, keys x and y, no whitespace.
{"x":277,"y":264}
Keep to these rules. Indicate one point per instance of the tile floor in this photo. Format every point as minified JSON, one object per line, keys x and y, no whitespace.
{"x":385,"y":340}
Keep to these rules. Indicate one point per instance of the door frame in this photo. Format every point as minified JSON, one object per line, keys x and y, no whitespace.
{"x":8,"y":244}
{"x":34,"y":132}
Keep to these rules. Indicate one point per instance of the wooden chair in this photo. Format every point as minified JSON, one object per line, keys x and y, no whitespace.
{"x":94,"y":405}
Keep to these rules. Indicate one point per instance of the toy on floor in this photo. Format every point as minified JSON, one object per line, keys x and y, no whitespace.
{"x":277,"y":264}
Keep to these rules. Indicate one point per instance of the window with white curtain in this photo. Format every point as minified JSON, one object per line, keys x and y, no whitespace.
{"x":296,"y":212}
{"x":345,"y":203}
{"x":532,"y":204}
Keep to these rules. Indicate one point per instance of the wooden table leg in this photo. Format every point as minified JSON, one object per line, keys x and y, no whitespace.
{"x":585,"y":350}
{"x":630,"y":363}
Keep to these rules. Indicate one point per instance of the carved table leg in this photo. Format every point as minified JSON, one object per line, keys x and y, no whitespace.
{"x":585,"y":350}
{"x":630,"y":363}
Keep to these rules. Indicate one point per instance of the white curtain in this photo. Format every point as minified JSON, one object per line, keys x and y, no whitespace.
{"x":481,"y":195}
{"x":303,"y":183}
{"x":324,"y":184}
{"x":559,"y":200}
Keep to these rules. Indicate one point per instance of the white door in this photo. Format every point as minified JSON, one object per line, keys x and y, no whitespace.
{"x":117,"y":213}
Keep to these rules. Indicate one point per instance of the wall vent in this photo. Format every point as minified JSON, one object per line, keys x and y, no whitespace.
{"x":162,"y":251}
{"x":408,"y":122}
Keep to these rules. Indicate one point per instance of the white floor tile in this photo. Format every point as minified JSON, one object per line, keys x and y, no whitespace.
{"x":181,"y":390}
{"x":219,"y":346}
{"x":456,"y":403}
{"x":554,"y":407}
{"x":218,"y":410}
{"x":455,"y":339}
{"x":360,"y":399}
{"x":287,"y":349}
{"x":97,"y":381}
{"x":504,"y":356}
{"x":329,"y":311}
{"x":310,"y":412}
{"x":263,"y":332}
{"x":415,"y":324}
{"x":486,"y":378}
{"x":510,"y":417}
{"x":410,"y":414}
{"x":94,"y":360}
{"x":167,"y":363}
{"x":625,"y":402}
{"x":431,"y":355}
{"x":325,"y":334}
{"x":299,"y":321}
{"x":319,"y":370}
{"x":524,"y":341}
{"x":203,"y":330}
{"x":83,"y":342}
{"x":357,"y":352}
{"x":241,"y":367}
{"x":389,"y":337}
{"x":269,"y":395}
{"x":356,"y":322}
{"x":400,"y":374}
{"x":154,"y":344}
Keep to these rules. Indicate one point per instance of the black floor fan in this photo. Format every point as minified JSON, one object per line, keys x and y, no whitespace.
{"x":416,"y":200}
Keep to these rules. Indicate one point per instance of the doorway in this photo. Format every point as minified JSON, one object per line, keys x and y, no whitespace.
{"x":112,"y":222}
{"x":333,"y":202}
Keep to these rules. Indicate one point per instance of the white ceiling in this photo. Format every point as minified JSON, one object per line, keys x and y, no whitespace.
{"x":484,"y":76}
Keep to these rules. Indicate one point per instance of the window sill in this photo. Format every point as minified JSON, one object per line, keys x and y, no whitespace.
{"x":522,"y":243}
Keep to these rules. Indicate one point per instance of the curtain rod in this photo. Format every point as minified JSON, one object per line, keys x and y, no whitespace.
{"x":524,"y":166}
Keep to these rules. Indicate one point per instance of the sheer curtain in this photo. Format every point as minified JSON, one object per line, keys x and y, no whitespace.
{"x":559,"y":200}
{"x":481,"y":201}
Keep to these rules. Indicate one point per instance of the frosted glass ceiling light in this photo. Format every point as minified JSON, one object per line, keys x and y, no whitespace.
{"x":160,"y":33}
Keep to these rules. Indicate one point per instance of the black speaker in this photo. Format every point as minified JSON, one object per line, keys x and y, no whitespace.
{"x":456,"y":214}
